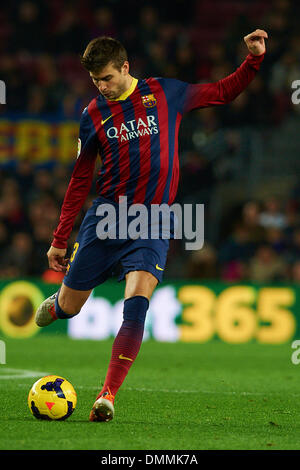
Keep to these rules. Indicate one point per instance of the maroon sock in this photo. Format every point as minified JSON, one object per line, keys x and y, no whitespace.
{"x":126,"y":344}
{"x":124,"y":351}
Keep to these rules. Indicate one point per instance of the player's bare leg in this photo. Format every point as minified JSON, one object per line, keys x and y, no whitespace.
{"x":138,"y":291}
{"x":63,"y":304}
{"x":71,"y":300}
{"x":139,"y":283}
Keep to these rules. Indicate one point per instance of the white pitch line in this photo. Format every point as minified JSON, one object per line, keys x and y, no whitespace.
{"x":19,"y":373}
{"x":206,"y":392}
{"x":24,"y":374}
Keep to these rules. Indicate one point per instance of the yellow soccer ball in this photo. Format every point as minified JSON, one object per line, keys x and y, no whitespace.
{"x":52,"y":397}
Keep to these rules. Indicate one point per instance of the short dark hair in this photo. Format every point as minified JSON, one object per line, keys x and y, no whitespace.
{"x":101,"y":51}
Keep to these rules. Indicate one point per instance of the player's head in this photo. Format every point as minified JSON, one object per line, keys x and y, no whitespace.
{"x":105,"y":59}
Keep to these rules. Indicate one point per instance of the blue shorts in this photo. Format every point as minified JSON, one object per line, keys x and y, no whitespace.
{"x":94,"y":260}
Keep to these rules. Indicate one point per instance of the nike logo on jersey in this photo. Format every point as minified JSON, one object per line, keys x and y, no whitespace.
{"x":104,"y":120}
{"x":127,"y":358}
{"x":157,"y":267}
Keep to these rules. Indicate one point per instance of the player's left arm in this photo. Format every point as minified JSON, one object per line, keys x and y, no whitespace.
{"x":226,"y":90}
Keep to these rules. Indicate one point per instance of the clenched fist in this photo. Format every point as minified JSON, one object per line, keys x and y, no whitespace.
{"x":256,"y":41}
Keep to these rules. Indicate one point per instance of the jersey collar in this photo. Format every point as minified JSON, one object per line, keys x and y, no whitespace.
{"x":127,"y":92}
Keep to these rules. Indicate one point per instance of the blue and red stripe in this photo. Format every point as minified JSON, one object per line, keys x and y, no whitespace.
{"x":145,"y":153}
{"x":163,"y":122}
{"x":116,"y":180}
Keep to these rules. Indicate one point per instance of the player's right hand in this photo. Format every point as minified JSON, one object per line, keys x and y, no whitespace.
{"x":56,"y":259}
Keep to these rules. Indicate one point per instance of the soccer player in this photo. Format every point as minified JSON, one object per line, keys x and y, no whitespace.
{"x":133,"y":125}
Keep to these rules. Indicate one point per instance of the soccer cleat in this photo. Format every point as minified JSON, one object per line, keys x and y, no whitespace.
{"x":45,"y":314}
{"x":103,"y":408}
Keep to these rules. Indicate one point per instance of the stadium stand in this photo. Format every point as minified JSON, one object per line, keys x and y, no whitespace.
{"x":240,"y":160}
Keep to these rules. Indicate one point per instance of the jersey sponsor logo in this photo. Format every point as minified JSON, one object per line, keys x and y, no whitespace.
{"x":104,"y":120}
{"x":149,"y":101}
{"x":133,"y":129}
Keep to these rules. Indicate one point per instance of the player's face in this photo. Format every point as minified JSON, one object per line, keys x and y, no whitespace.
{"x":111,"y":82}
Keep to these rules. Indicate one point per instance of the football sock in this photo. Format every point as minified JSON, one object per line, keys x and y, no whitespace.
{"x":127,"y":343}
{"x":59,"y":311}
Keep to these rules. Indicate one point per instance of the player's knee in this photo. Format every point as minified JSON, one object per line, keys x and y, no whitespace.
{"x":140,"y":283}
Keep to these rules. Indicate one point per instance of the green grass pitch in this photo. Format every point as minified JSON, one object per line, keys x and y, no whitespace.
{"x":176,"y":396}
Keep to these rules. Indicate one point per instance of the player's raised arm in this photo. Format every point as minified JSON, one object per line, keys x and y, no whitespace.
{"x":76,"y":194}
{"x":256,"y":42}
{"x":226,"y":90}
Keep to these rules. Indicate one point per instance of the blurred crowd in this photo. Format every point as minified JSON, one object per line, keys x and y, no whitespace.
{"x":261,"y":243}
{"x":40,"y":44}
